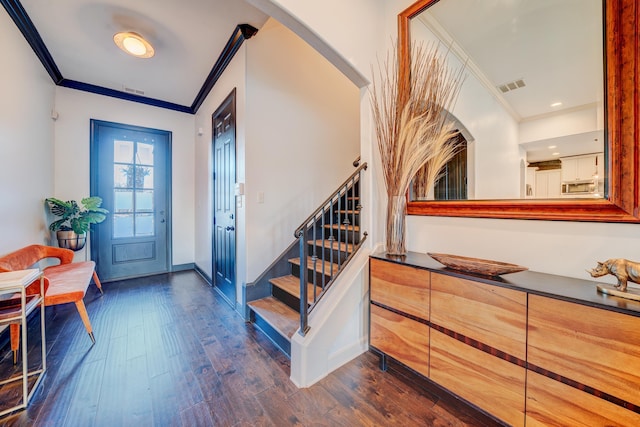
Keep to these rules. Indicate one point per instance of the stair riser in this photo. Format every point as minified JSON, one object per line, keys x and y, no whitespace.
{"x":286,"y":297}
{"x":343,"y":236}
{"x":326,"y":252}
{"x":271,"y":333}
{"x":295,"y":270}
{"x":353,"y":219}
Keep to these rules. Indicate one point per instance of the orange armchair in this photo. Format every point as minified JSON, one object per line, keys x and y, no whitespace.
{"x":63,"y":283}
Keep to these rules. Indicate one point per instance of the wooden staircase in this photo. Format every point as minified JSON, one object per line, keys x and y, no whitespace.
{"x":334,"y":239}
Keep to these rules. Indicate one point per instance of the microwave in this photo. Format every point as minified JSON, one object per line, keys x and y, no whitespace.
{"x":580,"y":187}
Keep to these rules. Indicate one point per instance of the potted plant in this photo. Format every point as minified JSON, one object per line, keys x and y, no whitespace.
{"x":75,"y":219}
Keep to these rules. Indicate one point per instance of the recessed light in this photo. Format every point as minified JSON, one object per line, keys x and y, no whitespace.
{"x":134,"y":44}
{"x":551,"y":147}
{"x":555,"y":154}
{"x":556,"y":104}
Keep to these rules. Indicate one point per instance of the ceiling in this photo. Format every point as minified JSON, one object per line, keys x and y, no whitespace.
{"x":554,"y":46}
{"x":190,"y":38}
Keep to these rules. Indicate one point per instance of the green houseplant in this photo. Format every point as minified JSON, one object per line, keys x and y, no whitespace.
{"x":75,"y":219}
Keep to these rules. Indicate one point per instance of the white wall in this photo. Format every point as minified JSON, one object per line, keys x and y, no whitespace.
{"x":345,"y":33}
{"x":302,"y":135}
{"x":233,"y":77}
{"x":565,"y":248}
{"x":297,"y":135}
{"x":495,"y":171}
{"x":26,"y":141}
{"x":557,"y":125}
{"x":72,"y":143}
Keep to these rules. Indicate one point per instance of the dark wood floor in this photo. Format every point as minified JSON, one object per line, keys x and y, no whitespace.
{"x":171,"y":352}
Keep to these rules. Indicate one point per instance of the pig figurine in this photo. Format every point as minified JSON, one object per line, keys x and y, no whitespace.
{"x":623,"y":269}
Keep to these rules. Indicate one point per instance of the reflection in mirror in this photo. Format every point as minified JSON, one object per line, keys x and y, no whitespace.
{"x":531,"y":109}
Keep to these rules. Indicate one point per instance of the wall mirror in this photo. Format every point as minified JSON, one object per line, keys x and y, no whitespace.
{"x":528,"y":156}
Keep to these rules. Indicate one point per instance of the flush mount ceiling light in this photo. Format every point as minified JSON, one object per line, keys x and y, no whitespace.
{"x":134,"y":44}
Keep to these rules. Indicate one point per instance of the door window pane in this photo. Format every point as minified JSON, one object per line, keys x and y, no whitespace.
{"x":144,"y":201}
{"x":148,"y":178}
{"x":144,"y":225}
{"x":120,"y":176}
{"x":122,"y":225}
{"x":123,"y":152}
{"x":141,"y":173}
{"x":123,"y":201}
{"x":144,"y":154}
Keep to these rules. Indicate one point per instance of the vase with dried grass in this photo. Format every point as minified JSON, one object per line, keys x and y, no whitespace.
{"x":412,"y":128}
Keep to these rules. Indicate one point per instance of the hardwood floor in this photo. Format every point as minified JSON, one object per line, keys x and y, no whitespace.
{"x":170,"y":352}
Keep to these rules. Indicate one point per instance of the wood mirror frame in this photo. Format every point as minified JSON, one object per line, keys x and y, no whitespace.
{"x":622,"y":155}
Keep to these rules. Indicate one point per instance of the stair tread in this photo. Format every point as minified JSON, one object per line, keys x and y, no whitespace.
{"x":277,"y":314}
{"x":349,"y":211}
{"x":291,"y":285}
{"x":343,"y":227}
{"x":332,"y":244}
{"x":329,"y":268}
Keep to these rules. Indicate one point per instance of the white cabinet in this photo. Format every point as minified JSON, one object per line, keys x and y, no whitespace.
{"x":548,"y":184}
{"x":600,"y":164}
{"x":580,"y":168}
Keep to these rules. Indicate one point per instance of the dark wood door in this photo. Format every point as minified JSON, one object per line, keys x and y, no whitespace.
{"x":224,"y":201}
{"x":130,"y":170}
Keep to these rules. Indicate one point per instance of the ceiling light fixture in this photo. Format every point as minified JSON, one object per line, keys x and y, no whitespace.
{"x":556,"y":104}
{"x":134,"y":44}
{"x":551,"y":147}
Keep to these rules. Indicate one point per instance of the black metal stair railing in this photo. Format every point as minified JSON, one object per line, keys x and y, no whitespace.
{"x":328,"y":239}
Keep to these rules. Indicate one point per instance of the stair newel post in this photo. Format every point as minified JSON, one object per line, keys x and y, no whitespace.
{"x":304,"y":253}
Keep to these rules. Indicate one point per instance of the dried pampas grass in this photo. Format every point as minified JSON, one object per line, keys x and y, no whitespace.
{"x":412,"y":130}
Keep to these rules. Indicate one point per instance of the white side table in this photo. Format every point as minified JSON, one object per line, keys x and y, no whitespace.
{"x":15,"y":310}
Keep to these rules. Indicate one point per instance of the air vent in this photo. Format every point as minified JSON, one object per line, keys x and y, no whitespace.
{"x":132,"y":90}
{"x":509,"y":86}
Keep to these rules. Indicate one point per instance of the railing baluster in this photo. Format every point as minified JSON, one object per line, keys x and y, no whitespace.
{"x":322,"y":258}
{"x":352,"y":208}
{"x":314,"y":260}
{"x":331,"y":239}
{"x":345,"y":223}
{"x":338,"y":223}
{"x":304,"y":313}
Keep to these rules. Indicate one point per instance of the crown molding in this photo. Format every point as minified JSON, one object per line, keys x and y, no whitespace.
{"x":20,"y":17}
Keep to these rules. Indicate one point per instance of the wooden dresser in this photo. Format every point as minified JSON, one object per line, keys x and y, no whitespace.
{"x":526,"y":348}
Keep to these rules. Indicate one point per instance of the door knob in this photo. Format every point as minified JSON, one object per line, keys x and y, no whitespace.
{"x":230,"y":228}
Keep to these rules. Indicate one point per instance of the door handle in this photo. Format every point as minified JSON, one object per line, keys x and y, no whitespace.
{"x":230,"y":228}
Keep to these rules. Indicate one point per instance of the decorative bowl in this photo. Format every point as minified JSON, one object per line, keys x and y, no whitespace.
{"x":484,"y":267}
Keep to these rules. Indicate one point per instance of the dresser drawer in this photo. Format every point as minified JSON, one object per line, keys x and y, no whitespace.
{"x":551,"y":402}
{"x":401,"y":338}
{"x":489,"y":314}
{"x":595,"y":347}
{"x":490,"y":383}
{"x":400,"y":287}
